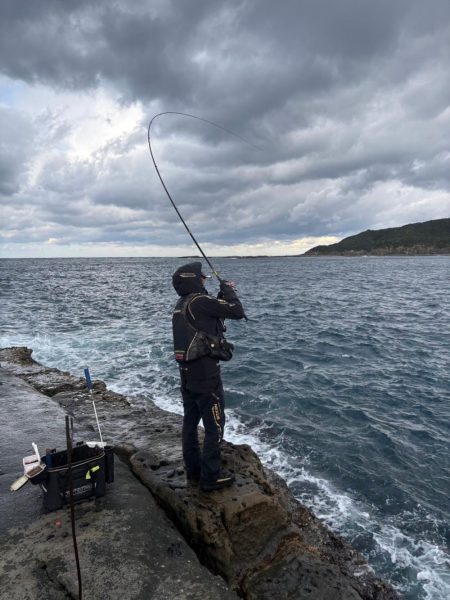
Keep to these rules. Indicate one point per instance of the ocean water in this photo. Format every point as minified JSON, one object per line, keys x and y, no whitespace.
{"x":340,"y":380}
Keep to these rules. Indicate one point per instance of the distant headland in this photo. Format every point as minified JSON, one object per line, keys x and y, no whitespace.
{"x":415,"y":239}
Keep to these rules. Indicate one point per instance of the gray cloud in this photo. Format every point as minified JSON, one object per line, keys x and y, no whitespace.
{"x":348,"y":101}
{"x":16,"y":130}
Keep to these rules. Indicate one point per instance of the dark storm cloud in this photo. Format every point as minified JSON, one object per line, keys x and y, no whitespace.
{"x":341,"y":98}
{"x":77,"y":44}
{"x":193,"y":52}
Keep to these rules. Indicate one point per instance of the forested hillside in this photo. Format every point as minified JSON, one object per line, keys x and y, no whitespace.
{"x":431,"y":237}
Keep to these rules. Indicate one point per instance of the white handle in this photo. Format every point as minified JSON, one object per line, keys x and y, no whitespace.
{"x":36,"y":451}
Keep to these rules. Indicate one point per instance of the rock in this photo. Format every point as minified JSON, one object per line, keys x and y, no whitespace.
{"x":128,"y":547}
{"x":255,"y":534}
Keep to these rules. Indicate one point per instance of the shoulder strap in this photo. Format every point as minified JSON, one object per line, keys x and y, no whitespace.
{"x":184,"y":309}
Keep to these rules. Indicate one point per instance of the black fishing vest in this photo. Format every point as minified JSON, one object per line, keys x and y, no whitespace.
{"x":191,"y":343}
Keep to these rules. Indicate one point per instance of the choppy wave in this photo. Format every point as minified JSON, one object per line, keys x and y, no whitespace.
{"x":341,"y":383}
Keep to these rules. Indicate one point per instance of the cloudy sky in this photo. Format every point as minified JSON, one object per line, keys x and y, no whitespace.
{"x":346,"y":104}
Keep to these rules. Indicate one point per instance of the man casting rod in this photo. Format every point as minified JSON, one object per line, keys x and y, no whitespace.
{"x":164,"y":185}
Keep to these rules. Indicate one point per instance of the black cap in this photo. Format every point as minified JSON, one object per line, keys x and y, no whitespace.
{"x":188,"y":278}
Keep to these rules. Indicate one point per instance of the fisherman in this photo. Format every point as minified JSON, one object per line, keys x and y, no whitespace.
{"x":199,"y":346}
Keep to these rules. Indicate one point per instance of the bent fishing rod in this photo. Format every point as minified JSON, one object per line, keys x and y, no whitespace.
{"x":214,"y":271}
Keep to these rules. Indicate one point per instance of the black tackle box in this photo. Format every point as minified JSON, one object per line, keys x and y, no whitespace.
{"x":92,"y":469}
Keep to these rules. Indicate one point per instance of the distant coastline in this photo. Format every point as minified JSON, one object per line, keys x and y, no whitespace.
{"x":415,"y":239}
{"x":430,"y":238}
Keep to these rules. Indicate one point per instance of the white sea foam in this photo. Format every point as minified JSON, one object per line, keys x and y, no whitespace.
{"x":429,"y":562}
{"x":168,"y":404}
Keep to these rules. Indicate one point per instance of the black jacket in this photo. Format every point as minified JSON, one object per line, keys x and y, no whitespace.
{"x":206,"y":313}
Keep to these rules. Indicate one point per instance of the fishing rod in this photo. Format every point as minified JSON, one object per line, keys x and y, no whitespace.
{"x":215,"y":272}
{"x":69,"y":442}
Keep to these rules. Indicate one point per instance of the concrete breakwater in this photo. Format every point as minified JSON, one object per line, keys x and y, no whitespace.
{"x":255,"y":535}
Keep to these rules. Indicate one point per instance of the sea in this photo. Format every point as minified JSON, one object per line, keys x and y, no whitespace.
{"x":340,"y":379}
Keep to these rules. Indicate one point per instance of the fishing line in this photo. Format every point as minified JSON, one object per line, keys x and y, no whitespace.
{"x":164,"y":185}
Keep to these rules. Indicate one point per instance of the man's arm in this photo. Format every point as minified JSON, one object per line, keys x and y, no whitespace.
{"x":226,"y":306}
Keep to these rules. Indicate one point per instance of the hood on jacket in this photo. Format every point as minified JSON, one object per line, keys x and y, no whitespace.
{"x":187,"y":279}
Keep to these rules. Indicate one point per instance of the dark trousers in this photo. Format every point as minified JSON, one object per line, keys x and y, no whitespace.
{"x":205,"y":402}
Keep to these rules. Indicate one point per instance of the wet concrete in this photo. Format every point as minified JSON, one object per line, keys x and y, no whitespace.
{"x":27,"y":416}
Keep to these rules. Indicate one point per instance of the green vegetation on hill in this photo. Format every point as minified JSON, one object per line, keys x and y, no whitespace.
{"x":431,"y":237}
